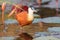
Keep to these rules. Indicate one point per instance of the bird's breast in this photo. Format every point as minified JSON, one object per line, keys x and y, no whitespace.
{"x":22,"y":18}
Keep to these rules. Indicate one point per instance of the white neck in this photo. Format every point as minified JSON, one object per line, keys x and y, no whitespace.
{"x":30,"y":14}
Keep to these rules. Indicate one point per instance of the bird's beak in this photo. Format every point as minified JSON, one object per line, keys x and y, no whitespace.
{"x":34,"y":10}
{"x":3,"y":6}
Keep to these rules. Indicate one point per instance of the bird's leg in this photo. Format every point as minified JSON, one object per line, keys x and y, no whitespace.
{"x":5,"y":30}
{"x":41,"y":25}
{"x":21,"y":30}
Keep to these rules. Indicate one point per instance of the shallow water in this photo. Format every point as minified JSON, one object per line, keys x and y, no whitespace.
{"x":7,"y":38}
{"x":47,"y":20}
{"x":51,"y":20}
{"x":54,"y":29}
{"x":11,"y":21}
{"x":52,"y":4}
{"x":36,"y":20}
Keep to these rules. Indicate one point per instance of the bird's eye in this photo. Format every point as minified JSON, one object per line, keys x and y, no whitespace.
{"x":32,"y":7}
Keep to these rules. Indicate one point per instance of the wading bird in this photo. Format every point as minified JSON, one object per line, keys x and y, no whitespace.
{"x":24,"y":17}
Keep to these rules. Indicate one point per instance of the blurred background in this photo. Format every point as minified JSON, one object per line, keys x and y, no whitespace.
{"x":48,"y":13}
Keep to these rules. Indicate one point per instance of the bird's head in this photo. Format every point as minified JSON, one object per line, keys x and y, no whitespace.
{"x":31,"y":9}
